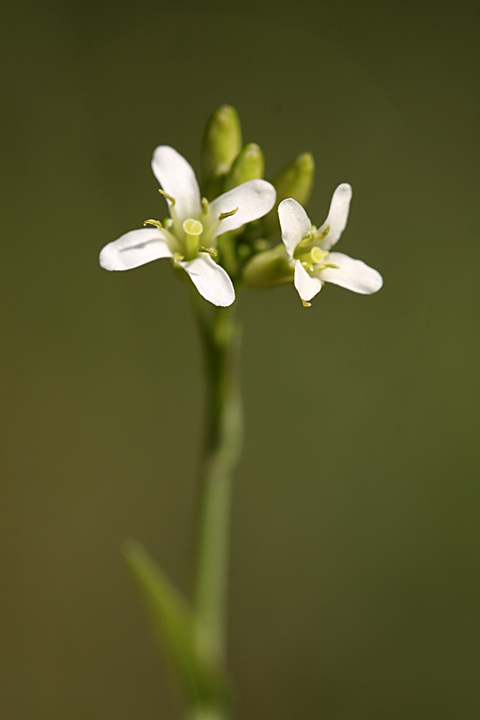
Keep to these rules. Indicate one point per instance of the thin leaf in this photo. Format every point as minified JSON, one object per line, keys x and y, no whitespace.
{"x":178,"y":633}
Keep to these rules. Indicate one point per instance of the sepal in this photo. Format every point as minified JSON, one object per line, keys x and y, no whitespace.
{"x":295,"y":181}
{"x":268,"y":268}
{"x":221,"y":143}
{"x":248,"y":165}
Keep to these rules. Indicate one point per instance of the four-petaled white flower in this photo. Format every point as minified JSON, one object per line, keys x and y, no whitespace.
{"x":308,"y":249}
{"x":189,"y":236}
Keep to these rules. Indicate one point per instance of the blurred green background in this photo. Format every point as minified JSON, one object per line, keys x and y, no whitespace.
{"x":355,"y":539}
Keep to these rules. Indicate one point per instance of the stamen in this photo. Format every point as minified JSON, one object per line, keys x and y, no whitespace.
{"x":167,"y":196}
{"x":331,"y":265}
{"x":307,"y":266}
{"x":205,"y":210}
{"x":177,"y":257}
{"x":322,"y":235}
{"x":167,"y":223}
{"x":211,"y":231}
{"x":155,"y":223}
{"x":306,"y":241}
{"x":225,"y":215}
{"x":211,"y":251}
{"x":305,"y":303}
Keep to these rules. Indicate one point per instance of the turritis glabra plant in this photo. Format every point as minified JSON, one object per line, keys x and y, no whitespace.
{"x":232,"y":231}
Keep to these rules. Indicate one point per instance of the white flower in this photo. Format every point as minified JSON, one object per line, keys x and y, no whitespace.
{"x":309,"y":253}
{"x":189,"y":236}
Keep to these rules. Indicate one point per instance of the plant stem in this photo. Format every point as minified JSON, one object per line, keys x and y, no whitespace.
{"x":221,"y":343}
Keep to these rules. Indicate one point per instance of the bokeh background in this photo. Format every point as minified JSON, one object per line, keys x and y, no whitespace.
{"x":355,"y":538}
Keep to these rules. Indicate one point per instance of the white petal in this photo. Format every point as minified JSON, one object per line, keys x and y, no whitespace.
{"x":337,"y":215}
{"x":253,"y":198}
{"x":307,"y":286}
{"x":133,"y":249}
{"x":294,"y":222}
{"x":211,"y":280}
{"x":351,"y":274}
{"x":177,"y":178}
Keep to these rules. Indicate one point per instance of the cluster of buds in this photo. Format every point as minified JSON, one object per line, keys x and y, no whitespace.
{"x":223,"y":232}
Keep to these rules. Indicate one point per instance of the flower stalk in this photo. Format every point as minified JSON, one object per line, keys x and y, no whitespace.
{"x":221,"y":344}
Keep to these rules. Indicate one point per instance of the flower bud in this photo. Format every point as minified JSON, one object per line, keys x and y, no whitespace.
{"x":222,"y":141}
{"x":294,"y":181}
{"x":268,"y":268}
{"x":248,"y":165}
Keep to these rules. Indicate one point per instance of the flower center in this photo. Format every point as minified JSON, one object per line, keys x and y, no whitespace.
{"x":312,"y":259}
{"x":312,"y":256}
{"x":184,"y":238}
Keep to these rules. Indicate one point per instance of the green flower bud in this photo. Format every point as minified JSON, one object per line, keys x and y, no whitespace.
{"x":268,"y":268}
{"x":248,"y":165}
{"x":222,"y":141}
{"x":294,"y":181}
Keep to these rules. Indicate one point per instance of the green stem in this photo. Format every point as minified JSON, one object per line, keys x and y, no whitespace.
{"x":221,"y":340}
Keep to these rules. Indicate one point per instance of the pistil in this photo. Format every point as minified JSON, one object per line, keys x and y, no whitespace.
{"x":192,"y":229}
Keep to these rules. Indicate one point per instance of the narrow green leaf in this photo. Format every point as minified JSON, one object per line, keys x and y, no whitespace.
{"x":178,"y":633}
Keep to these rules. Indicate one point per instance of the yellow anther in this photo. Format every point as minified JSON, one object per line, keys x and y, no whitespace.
{"x":321,"y":235}
{"x":177,"y":258}
{"x":167,"y":196}
{"x":305,"y":303}
{"x":307,"y":240}
{"x":211,"y":251}
{"x":155,"y":223}
{"x":224,"y":215}
{"x":308,"y":266}
{"x":205,"y":210}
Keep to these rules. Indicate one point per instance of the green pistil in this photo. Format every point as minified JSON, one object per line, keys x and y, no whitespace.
{"x":192,"y":229}
{"x":312,"y":258}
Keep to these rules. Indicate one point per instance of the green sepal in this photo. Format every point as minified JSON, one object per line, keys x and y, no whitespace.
{"x":179,"y":635}
{"x":221,"y":143}
{"x":248,"y":165}
{"x":295,"y":181}
{"x":268,"y":268}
